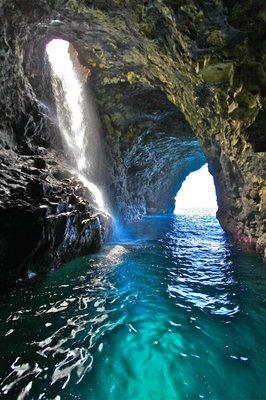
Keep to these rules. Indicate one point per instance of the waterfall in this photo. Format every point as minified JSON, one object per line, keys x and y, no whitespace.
{"x":71,"y":108}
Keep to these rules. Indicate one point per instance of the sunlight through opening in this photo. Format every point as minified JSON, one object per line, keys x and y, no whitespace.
{"x":197,"y":193}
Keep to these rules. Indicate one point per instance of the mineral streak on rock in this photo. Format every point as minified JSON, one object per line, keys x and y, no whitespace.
{"x":163,"y":73}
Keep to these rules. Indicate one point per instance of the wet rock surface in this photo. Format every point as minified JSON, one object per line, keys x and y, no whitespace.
{"x":47,"y":216}
{"x":163,"y":74}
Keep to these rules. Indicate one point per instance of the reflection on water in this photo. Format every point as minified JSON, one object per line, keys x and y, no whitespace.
{"x":198,"y":281}
{"x":172,"y":312}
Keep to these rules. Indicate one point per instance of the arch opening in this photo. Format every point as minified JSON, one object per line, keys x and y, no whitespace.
{"x":197,"y":194}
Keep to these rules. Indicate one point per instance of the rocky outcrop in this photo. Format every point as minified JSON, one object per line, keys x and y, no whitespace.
{"x":170,"y":78}
{"x":46,"y":215}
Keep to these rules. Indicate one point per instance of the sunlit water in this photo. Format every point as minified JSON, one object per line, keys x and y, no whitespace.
{"x":173,"y":312}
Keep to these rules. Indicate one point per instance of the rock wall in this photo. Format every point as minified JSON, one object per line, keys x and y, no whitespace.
{"x":170,"y":78}
{"x":46,"y":215}
{"x":167,"y":69}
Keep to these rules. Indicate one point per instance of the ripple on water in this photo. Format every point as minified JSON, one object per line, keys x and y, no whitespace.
{"x":168,"y":317}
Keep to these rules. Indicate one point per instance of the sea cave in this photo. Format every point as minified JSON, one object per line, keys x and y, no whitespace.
{"x":132,"y":199}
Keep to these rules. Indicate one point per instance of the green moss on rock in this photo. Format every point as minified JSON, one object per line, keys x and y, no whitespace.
{"x":262,"y":14}
{"x":247,"y":99}
{"x":216,"y":38}
{"x":219,"y":73}
{"x":78,"y":6}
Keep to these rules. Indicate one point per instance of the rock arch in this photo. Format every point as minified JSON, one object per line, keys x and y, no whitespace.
{"x":165,"y":79}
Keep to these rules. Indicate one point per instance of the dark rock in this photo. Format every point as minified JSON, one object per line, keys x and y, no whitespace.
{"x":35,"y":189}
{"x":59,"y":174}
{"x":40,"y":223}
{"x":39,"y":163}
{"x":30,"y":170}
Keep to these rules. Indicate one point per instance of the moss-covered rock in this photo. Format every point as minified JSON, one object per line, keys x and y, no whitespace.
{"x":247,"y":99}
{"x":262,"y":13}
{"x":216,"y":38}
{"x":219,"y":73}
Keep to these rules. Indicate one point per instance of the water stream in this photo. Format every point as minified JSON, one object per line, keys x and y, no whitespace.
{"x":173,"y":312}
{"x":77,"y":117}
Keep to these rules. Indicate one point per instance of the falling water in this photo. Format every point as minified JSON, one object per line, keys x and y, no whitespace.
{"x":70,"y":104}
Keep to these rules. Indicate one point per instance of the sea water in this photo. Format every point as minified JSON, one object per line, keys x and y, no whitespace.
{"x":171,"y":312}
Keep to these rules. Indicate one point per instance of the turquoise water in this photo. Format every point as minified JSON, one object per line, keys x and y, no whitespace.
{"x":172,"y":312}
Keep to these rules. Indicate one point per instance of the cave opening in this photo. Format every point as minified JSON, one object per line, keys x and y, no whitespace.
{"x":197,"y":193}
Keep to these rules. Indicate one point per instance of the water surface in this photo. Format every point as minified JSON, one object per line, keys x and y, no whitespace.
{"x":172,"y":312}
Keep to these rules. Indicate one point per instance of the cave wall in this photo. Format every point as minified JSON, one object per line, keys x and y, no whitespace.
{"x":47,"y":216}
{"x":169,"y":78}
{"x":206,"y":61}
